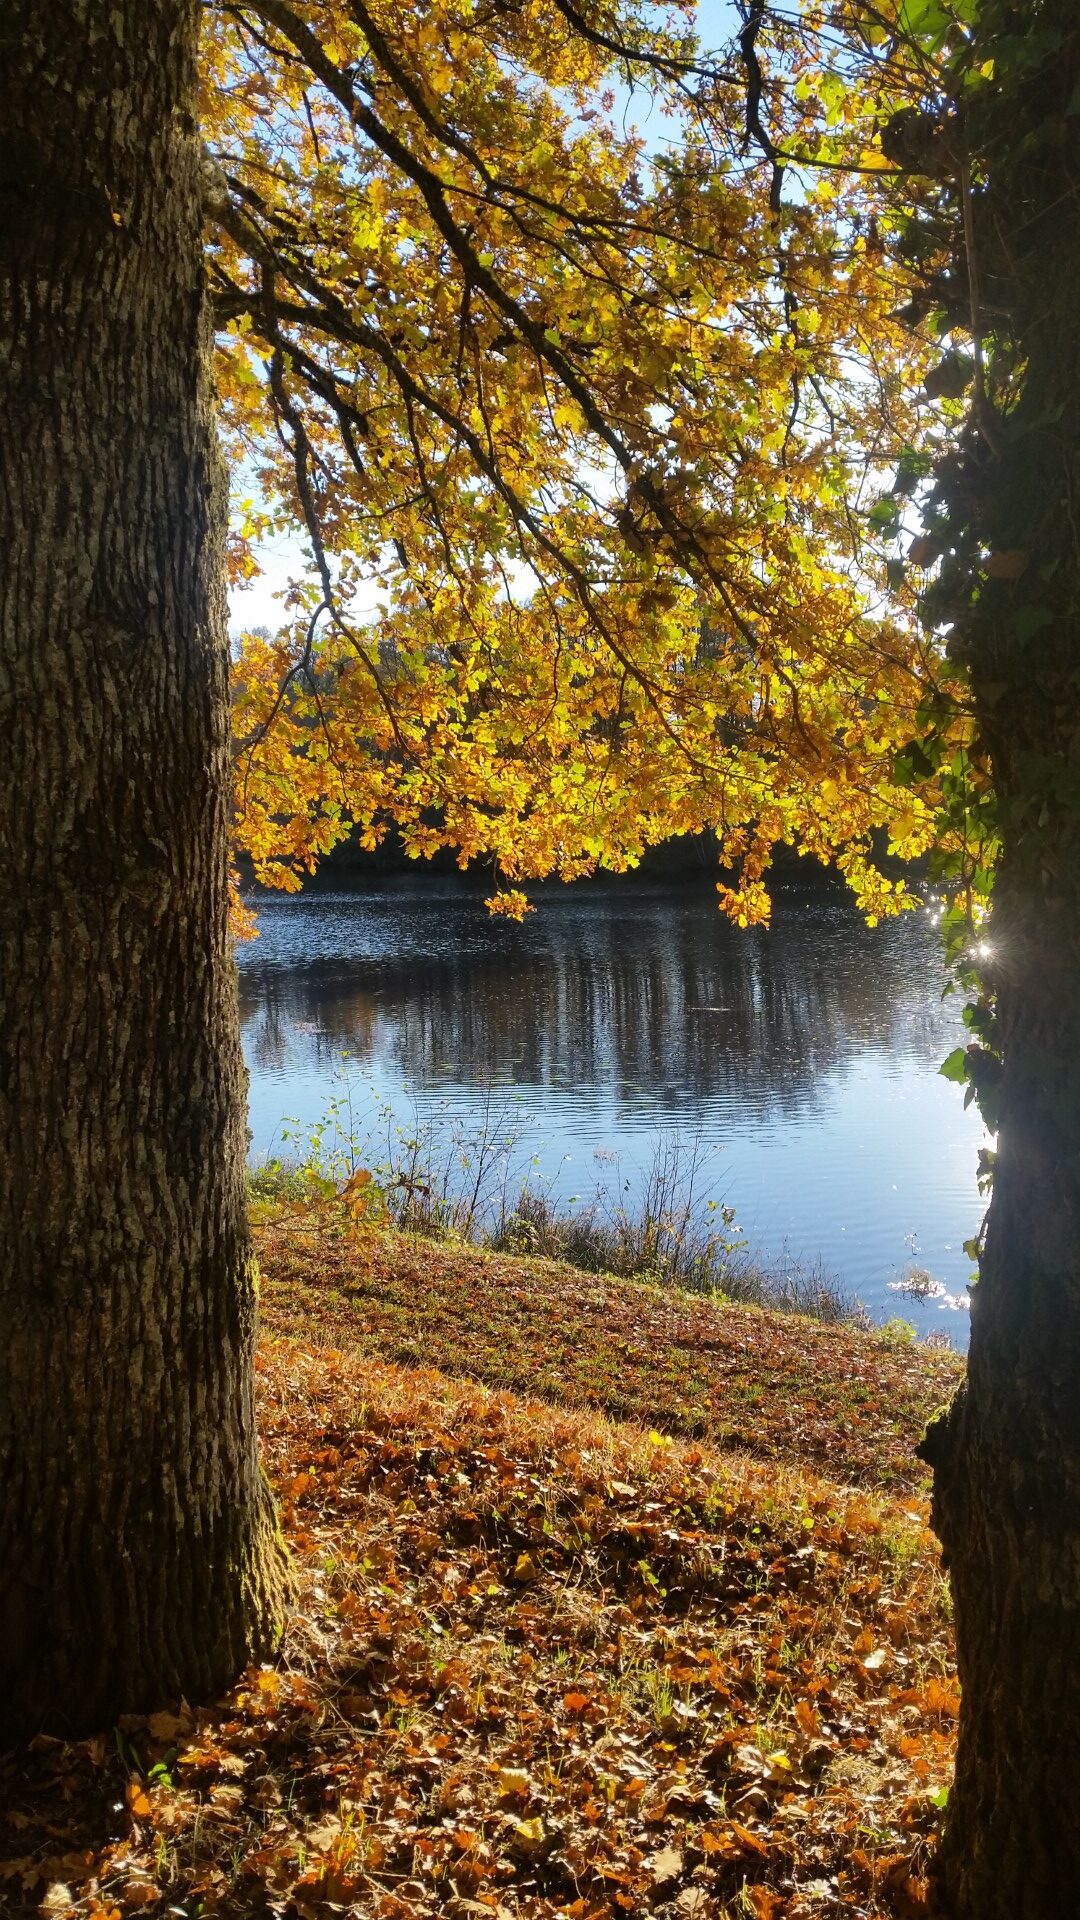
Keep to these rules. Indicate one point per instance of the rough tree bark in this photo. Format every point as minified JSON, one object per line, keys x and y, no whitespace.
{"x":139,"y":1559}
{"x":1007,"y":1455}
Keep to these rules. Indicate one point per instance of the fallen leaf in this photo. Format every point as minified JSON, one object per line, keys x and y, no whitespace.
{"x":529,"y":1834}
{"x":514,"y":1783}
{"x":138,"y":1800}
{"x":692,"y":1903}
{"x":665,"y":1866}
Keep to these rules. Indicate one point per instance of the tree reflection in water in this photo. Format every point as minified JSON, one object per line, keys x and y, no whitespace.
{"x":808,"y":1053}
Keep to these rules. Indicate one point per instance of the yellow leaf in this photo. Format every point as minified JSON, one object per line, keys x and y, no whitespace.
{"x":529,"y":1834}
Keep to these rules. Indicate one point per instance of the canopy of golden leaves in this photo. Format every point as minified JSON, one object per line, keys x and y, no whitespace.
{"x":582,"y":432}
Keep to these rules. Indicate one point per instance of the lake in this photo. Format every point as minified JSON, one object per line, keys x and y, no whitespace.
{"x":796,"y":1066}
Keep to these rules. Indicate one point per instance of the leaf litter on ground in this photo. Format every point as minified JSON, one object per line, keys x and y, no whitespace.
{"x":539,"y":1662}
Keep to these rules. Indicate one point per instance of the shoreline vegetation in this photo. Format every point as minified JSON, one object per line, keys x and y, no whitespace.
{"x":471,"y":1186}
{"x":610,"y":1598}
{"x":477,"y":1181}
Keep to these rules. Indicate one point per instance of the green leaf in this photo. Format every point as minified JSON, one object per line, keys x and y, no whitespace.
{"x":950,"y":378}
{"x":912,"y":467}
{"x":1030,"y":621}
{"x":885,"y":512}
{"x":833,"y":89}
{"x":929,"y":22}
{"x":912,"y":763}
{"x":955,"y":1066}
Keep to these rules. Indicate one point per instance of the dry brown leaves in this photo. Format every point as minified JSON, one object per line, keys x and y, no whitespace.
{"x":538,"y":1664}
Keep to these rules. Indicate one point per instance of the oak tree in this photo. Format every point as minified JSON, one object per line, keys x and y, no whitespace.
{"x":593,"y":416}
{"x":138,"y":1549}
{"x":986,"y":134}
{"x":603,"y":444}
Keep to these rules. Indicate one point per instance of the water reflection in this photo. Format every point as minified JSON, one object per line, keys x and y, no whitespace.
{"x":805,"y":1055}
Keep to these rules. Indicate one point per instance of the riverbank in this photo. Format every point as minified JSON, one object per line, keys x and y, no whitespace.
{"x":607,"y":1603}
{"x":844,"y":1401}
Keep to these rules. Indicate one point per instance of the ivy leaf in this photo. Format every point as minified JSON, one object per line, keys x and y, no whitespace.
{"x":955,"y":1066}
{"x":885,"y":513}
{"x":1030,"y":621}
{"x":950,"y":378}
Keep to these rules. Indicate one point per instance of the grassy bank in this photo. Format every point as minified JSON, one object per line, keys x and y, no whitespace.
{"x":849,"y":1403}
{"x":477,"y":1184}
{"x":608,"y":1602}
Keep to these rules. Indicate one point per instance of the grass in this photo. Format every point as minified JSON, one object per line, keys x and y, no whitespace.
{"x":848,"y":1402}
{"x":608,"y":1602}
{"x":666,"y":1246}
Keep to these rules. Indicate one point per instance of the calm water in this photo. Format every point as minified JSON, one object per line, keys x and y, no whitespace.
{"x":800,"y":1061}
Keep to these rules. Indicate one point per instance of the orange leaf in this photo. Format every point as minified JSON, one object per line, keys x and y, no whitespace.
{"x":749,"y":1842}
{"x":808,"y":1717}
{"x":939,"y":1698}
{"x":138,"y":1800}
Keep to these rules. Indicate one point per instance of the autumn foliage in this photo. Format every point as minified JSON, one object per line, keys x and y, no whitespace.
{"x":538,"y":1662}
{"x":587,"y":429}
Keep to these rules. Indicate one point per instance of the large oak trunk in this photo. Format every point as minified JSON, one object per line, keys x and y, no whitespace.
{"x":1007,"y":1459}
{"x":138,"y":1553}
{"x":1007,"y":1456}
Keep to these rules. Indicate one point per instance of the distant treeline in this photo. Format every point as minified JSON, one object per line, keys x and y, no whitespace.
{"x":688,"y":857}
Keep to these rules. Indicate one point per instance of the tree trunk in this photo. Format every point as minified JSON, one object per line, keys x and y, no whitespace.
{"x":1007,"y":1459}
{"x":1007,"y":1455}
{"x":139,"y":1559}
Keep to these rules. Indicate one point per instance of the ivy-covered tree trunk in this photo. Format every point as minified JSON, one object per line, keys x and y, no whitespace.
{"x":1007,"y":1457}
{"x":1007,"y":1482}
{"x":139,"y":1558}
